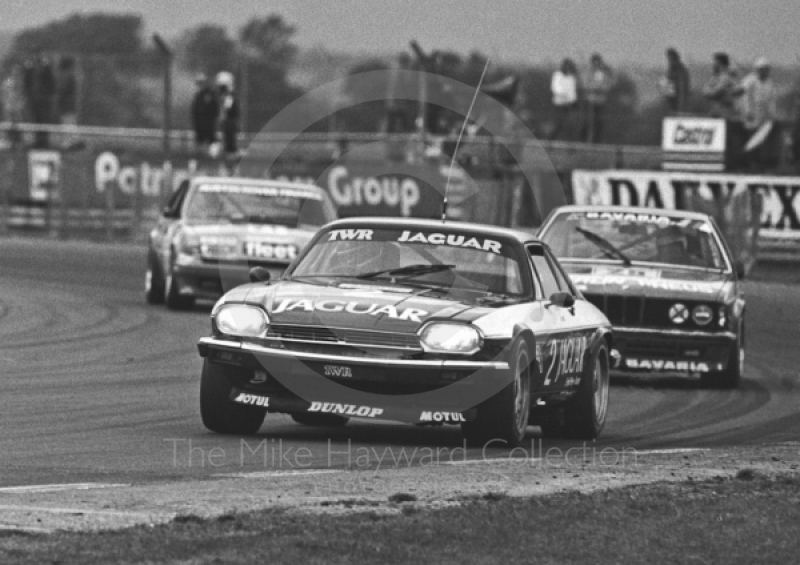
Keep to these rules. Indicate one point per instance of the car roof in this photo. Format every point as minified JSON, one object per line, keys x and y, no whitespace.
{"x":259,"y":182}
{"x":428,"y":224}
{"x":635,"y":210}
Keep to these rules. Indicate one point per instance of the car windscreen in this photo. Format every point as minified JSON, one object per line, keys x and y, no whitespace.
{"x":256,"y":204}
{"x":450,"y":258}
{"x":619,"y":236}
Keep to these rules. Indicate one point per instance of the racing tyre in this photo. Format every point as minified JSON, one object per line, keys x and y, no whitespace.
{"x":172,"y":298}
{"x":153,"y":282}
{"x":217,"y":411}
{"x":584,"y":415}
{"x":732,"y":375}
{"x":505,"y":415}
{"x":320,"y":420}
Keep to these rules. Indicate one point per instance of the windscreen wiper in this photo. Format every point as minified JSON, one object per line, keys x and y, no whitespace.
{"x":608,"y":248}
{"x":408,"y":271}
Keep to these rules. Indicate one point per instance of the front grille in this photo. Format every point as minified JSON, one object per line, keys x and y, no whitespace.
{"x":348,"y":336}
{"x":637,"y":311}
{"x":620,"y":310}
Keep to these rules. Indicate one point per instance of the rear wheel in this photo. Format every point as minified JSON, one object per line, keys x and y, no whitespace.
{"x":218,"y":412}
{"x":320,"y":420}
{"x":732,"y":375}
{"x":505,"y":415}
{"x":153,"y":281}
{"x":584,"y":415}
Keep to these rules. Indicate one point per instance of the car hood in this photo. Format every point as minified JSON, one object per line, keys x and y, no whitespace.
{"x":359,"y":306}
{"x":653,"y":282}
{"x":249,"y":241}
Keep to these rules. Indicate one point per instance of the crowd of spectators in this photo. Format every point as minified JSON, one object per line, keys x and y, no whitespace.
{"x":580,"y":103}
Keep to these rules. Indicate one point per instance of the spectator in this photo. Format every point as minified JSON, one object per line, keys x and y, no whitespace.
{"x":723,"y":92}
{"x":675,"y":84}
{"x":67,"y":92}
{"x":598,"y":87}
{"x":205,"y":113}
{"x":723,"y":89}
{"x":13,"y":103}
{"x":229,"y":114}
{"x":760,"y":109}
{"x":565,"y":89}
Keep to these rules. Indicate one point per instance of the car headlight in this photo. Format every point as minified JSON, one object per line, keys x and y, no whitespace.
{"x":187,"y":244}
{"x":723,"y":316}
{"x":241,"y":320}
{"x":702,"y":315}
{"x":678,"y":313}
{"x":445,"y":337}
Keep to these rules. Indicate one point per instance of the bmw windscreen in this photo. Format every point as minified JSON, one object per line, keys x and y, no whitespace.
{"x":648,"y":238}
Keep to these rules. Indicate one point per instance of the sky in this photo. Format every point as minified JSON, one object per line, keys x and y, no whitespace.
{"x":630,"y":31}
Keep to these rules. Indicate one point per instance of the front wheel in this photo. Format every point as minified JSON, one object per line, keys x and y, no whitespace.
{"x":218,"y":412}
{"x":584,"y":415}
{"x":505,"y":415}
{"x":153,"y":281}
{"x":732,"y":375}
{"x":172,"y":297}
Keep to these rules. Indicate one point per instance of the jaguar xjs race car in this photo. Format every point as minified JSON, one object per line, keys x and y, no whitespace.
{"x":214,"y":229}
{"x":415,"y":321}
{"x":667,"y":282}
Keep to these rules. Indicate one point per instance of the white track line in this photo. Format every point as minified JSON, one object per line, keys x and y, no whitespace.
{"x":669,"y":451}
{"x":58,"y":487}
{"x":272,"y":474}
{"x":24,"y":508}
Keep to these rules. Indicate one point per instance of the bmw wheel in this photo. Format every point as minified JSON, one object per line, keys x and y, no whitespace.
{"x":505,"y":415}
{"x":218,"y":412}
{"x":732,"y":375}
{"x":584,"y":415}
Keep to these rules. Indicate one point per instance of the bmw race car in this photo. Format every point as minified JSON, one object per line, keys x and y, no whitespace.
{"x":214,"y":229}
{"x":416,"y":321}
{"x":667,"y":282}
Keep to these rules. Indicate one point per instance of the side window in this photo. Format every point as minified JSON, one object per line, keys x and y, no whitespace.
{"x":173,"y":207}
{"x":563,"y":279}
{"x":544,"y":272}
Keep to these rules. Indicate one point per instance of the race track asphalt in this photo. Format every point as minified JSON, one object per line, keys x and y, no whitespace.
{"x":95,"y":385}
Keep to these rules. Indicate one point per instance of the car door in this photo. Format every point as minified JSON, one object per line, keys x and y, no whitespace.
{"x":562,"y":345}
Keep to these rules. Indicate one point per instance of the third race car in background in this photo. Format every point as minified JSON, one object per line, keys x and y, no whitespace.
{"x":667,"y":282}
{"x":214,"y":229}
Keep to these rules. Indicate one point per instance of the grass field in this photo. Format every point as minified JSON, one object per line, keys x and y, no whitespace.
{"x":750,"y":519}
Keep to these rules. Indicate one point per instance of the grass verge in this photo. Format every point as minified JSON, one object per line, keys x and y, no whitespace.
{"x":750,"y":519}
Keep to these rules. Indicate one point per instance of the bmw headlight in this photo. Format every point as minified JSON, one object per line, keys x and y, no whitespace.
{"x":702,"y":315}
{"x":241,"y":320}
{"x":446,"y":337}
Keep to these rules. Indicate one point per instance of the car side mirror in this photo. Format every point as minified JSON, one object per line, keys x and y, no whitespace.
{"x":169,"y":213}
{"x":259,"y":274}
{"x":741,"y":269}
{"x":562,"y":300}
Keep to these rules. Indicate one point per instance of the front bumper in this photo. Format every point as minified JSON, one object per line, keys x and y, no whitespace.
{"x":674,"y":351}
{"x":410,"y":390}
{"x":211,"y":280}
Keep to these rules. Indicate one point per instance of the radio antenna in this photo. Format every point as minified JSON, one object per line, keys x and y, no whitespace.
{"x":458,"y":141}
